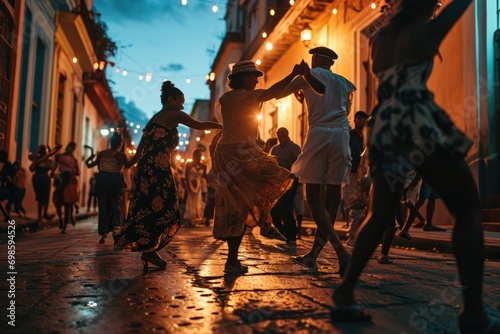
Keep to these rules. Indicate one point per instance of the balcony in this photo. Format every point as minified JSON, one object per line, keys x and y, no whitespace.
{"x":76,"y":27}
{"x":98,"y":91}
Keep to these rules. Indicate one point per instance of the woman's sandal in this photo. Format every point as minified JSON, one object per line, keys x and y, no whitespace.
{"x":235,"y":269}
{"x":271,"y":233}
{"x":405,"y":235}
{"x":349,"y":313}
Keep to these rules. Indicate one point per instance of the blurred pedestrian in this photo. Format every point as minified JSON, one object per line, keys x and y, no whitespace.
{"x":7,"y":188}
{"x":195,"y":175}
{"x":19,"y":182}
{"x":92,"y":198}
{"x":154,"y":217}
{"x":66,"y":191}
{"x":109,"y":184}
{"x":282,"y":213}
{"x":42,"y":167}
{"x":356,"y":142}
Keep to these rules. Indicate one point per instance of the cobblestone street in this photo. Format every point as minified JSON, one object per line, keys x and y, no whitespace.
{"x":71,"y":284}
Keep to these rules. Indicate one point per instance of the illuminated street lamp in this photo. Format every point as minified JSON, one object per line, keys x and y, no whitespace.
{"x":306,"y":35}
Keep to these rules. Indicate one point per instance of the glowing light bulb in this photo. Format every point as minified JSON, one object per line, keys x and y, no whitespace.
{"x":215,"y":8}
{"x":141,"y":77}
{"x":269,"y":46}
{"x":334,"y":11}
{"x":272,"y":12}
{"x":291,"y":2}
{"x":373,"y":5}
{"x":188,"y":81}
{"x":264,"y":34}
{"x":258,"y":62}
{"x":184,"y":2}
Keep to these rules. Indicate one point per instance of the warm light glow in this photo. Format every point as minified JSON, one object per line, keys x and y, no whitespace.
{"x":182,"y":160}
{"x":134,"y":151}
{"x":104,"y":132}
{"x":212,"y":76}
{"x":373,"y":5}
{"x":149,"y":76}
{"x":258,"y":62}
{"x":259,"y":117}
{"x":184,"y":2}
{"x":112,"y":129}
{"x":102,"y":64}
{"x":269,"y":46}
{"x":75,"y":60}
{"x":207,"y":132}
{"x":334,"y":11}
{"x":272,"y":12}
{"x":129,"y":151}
{"x":186,"y":142}
{"x":202,"y":157}
{"x":197,"y":138}
{"x":306,"y":35}
{"x":132,"y":143}
{"x":96,"y":66}
{"x":189,"y":160}
{"x":264,"y":34}
{"x":215,"y":8}
{"x":117,"y":70}
{"x":292,"y":2}
{"x":178,"y":157}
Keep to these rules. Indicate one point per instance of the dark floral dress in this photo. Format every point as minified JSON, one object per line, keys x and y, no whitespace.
{"x":407,"y":125}
{"x":153,"y":217}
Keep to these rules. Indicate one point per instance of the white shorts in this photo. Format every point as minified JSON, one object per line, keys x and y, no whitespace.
{"x":325,"y":158}
{"x":298,"y":201}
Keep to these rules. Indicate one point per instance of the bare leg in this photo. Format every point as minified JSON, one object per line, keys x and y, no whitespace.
{"x":431,"y":205}
{"x":324,"y":220}
{"x":384,"y":202}
{"x":457,"y":188}
{"x":233,"y":245}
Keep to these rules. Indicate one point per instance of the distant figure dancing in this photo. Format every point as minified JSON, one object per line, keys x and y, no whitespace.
{"x":326,"y":156}
{"x":402,"y":54}
{"x":109,"y":185}
{"x":66,"y":185}
{"x":154,"y":217}
{"x":249,"y":182}
{"x":195,"y":174}
{"x":42,"y":165}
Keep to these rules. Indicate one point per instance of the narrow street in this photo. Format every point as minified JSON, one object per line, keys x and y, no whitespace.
{"x":71,"y":284}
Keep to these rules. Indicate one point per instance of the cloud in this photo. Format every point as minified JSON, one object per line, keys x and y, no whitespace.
{"x":146,"y":11}
{"x":172,"y":68}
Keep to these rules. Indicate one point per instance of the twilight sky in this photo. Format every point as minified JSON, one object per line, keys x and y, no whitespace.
{"x":164,"y":38}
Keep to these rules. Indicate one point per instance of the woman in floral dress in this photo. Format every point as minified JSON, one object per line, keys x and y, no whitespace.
{"x":154,"y":216}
